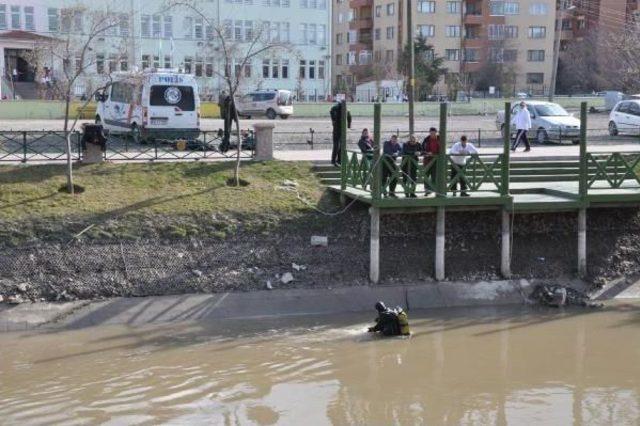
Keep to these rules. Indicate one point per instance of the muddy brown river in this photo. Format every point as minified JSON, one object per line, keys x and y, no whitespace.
{"x":515,"y":366}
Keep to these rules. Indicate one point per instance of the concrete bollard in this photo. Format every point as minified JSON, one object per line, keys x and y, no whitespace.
{"x":264,"y":141}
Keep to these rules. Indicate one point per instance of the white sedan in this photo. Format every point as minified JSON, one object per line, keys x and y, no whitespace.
{"x":625,"y":118}
{"x":549,"y":122}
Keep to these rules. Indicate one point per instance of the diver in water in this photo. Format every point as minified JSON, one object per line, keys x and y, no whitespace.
{"x":556,"y":296}
{"x":391,"y":322}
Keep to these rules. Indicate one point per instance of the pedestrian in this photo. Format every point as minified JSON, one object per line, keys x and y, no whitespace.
{"x":365,"y":143}
{"x":391,"y":149}
{"x":522,"y":121}
{"x":336,"y":122}
{"x":229,"y":115}
{"x":410,"y":152}
{"x":431,"y":148}
{"x":460,"y":152}
{"x":14,"y":74}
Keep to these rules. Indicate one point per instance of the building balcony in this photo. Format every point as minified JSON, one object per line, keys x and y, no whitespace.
{"x":361,"y":24}
{"x":355,"y":4}
{"x":357,"y":47}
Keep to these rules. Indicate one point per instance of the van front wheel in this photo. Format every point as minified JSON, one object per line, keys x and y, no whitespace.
{"x":271,"y":114}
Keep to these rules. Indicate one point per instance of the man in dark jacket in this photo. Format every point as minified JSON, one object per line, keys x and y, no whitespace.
{"x":431,"y":148}
{"x":336,"y":122}
{"x":410,"y":152}
{"x":390,"y":322}
{"x":229,"y":115}
{"x":391,"y":149}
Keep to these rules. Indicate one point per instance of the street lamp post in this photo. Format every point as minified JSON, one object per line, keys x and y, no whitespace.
{"x":411,"y":85}
{"x":556,"y":52}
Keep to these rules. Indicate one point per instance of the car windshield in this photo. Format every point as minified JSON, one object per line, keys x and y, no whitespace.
{"x":551,"y":110}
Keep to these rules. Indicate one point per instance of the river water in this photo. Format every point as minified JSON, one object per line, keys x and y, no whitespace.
{"x":513,"y":366}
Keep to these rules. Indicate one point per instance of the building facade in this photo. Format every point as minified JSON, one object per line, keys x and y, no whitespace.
{"x":472,"y":36}
{"x":148,"y":34}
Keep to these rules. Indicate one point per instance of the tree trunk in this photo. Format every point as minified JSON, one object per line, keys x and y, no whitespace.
{"x":67,"y":136}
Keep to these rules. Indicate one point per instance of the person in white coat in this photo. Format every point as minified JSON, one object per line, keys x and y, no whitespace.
{"x":522,"y":120}
{"x":460,"y":152}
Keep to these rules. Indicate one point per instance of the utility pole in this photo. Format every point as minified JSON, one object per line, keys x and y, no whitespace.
{"x":411,"y":85}
{"x":556,"y":50}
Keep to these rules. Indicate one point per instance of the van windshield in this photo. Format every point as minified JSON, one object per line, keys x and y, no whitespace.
{"x":173,"y":96}
{"x":284,"y":98}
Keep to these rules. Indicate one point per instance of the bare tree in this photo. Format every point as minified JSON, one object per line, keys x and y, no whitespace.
{"x":619,"y":59}
{"x":237,"y":53}
{"x":74,"y":54}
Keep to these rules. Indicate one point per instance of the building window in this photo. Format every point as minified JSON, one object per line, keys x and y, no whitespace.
{"x":54,"y":21}
{"x":537,"y":32}
{"x":312,"y":37}
{"x":338,"y":59}
{"x":145,"y":25}
{"x":156,"y":61}
{"x":511,"y":8}
{"x":377,"y":56}
{"x":168,"y":26}
{"x":352,"y":36}
{"x":312,"y":70}
{"x":113,"y":63}
{"x":187,"y":27}
{"x":496,"y":55}
{"x":124,"y":25}
{"x":390,"y":32}
{"x":167,"y":62}
{"x":426,"y":6}
{"x":453,"y":30}
{"x":388,"y":56}
{"x":303,"y":69}
{"x":378,"y":11}
{"x":538,"y":9}
{"x":376,"y":33}
{"x":275,"y":69}
{"x":470,"y":55}
{"x":124,"y":63}
{"x":100,"y":63}
{"x":365,"y":57}
{"x":145,"y":62}
{"x":351,"y":58}
{"x":15,"y":17}
{"x":77,"y":21}
{"x":188,"y":64}
{"x":426,"y":30}
{"x":237,"y":30}
{"x":391,"y":9}
{"x":496,"y":8}
{"x":511,"y":31}
{"x":535,"y":78}
{"x":495,"y":32}
{"x":339,"y":39}
{"x":510,"y":55}
{"x":248,"y":30}
{"x":535,"y":55}
{"x":157,"y":26}
{"x":285,"y":68}
{"x":322,"y":35}
{"x":198,"y":29}
{"x":452,"y":54}
{"x":453,"y":7}
{"x":29,"y":23}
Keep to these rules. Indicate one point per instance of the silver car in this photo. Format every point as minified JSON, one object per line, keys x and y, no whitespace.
{"x":625,"y":118}
{"x":549,"y":122}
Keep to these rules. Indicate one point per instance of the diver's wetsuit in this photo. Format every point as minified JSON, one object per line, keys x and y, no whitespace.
{"x":387,"y":323}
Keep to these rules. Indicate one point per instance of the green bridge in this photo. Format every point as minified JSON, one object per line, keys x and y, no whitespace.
{"x":494,"y":181}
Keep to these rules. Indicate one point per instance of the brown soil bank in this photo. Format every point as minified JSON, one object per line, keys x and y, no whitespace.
{"x":544,"y":246}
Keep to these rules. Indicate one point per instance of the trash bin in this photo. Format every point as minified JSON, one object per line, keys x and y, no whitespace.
{"x":93,"y":143}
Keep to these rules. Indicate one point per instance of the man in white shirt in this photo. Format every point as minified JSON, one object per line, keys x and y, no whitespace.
{"x":522,"y":120}
{"x":460,"y":152}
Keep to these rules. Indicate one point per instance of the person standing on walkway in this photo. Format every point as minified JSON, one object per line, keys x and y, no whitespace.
{"x":431,"y":148}
{"x":230,"y":116}
{"x":390,"y":150}
{"x":410,"y":152}
{"x":336,"y":122}
{"x":460,"y":152}
{"x":522,"y":121}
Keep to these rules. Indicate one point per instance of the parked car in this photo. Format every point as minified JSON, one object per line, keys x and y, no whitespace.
{"x":549,"y":122}
{"x":625,"y":118}
{"x":270,"y":103}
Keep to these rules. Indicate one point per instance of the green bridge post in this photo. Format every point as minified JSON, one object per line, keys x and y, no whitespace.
{"x":343,"y":151}
{"x":376,"y":175}
{"x":505,"y":255}
{"x":582,"y":190}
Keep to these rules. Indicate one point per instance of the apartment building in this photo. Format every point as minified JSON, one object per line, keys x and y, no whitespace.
{"x":151,"y":35}
{"x":468,"y":34}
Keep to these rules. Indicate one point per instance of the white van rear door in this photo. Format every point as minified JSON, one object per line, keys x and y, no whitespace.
{"x":172,"y":107}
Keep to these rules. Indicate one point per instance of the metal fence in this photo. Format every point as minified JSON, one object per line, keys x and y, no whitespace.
{"x":27,"y":146}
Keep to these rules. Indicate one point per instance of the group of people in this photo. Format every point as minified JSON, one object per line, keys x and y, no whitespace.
{"x":428,"y":150}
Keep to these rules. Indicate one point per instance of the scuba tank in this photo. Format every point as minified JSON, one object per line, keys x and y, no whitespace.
{"x":403,"y":321}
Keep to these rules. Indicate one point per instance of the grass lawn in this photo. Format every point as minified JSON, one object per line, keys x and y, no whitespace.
{"x":147,"y":199}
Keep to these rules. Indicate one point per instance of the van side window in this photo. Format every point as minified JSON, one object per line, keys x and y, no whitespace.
{"x":122,"y":92}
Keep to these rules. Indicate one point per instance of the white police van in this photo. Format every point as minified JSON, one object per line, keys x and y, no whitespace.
{"x":160,"y":104}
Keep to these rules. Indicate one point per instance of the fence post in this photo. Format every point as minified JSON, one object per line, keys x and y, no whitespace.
{"x":441,"y":165}
{"x":583,"y":152}
{"x":375,"y":161}
{"x":479,"y":138}
{"x":506,"y":149}
{"x":24,"y":147}
{"x":155,"y":148}
{"x":343,"y":146}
